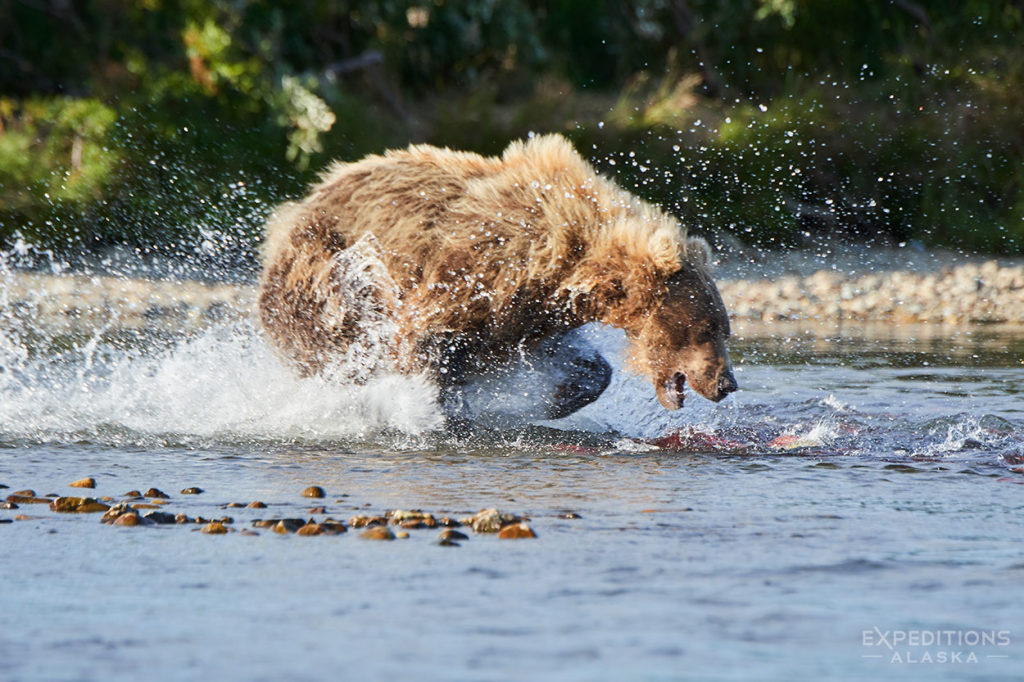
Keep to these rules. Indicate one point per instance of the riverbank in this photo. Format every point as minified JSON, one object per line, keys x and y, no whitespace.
{"x":891,"y":286}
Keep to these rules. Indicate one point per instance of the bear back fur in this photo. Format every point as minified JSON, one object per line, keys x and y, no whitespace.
{"x":495,"y":251}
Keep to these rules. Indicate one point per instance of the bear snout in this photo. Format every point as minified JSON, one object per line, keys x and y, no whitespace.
{"x":715,"y":382}
{"x":726,"y":384}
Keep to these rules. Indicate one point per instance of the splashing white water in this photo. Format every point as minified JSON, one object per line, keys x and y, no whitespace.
{"x":224,"y":383}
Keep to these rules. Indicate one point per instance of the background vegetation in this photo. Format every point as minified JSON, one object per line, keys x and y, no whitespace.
{"x":177,"y":124}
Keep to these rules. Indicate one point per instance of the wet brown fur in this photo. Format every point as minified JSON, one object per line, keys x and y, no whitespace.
{"x":490,"y":251}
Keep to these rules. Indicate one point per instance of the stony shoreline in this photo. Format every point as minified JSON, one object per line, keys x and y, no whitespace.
{"x":891,"y":286}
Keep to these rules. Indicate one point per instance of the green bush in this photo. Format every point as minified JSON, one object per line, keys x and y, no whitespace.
{"x":170,"y":123}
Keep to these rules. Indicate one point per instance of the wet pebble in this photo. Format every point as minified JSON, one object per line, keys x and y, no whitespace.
{"x":282,"y":525}
{"x":332,"y":527}
{"x":87,"y":482}
{"x":311,"y":528}
{"x":401,"y":535}
{"x":420,"y":518}
{"x":79,"y":505}
{"x":159,"y":517}
{"x":452,"y":535}
{"x":318,"y":510}
{"x":132,"y":494}
{"x":192,"y":491}
{"x":313,"y":491}
{"x":8,"y":505}
{"x":214,"y":528}
{"x":377,"y":533}
{"x":111,"y":514}
{"x":256,"y":504}
{"x":130,"y":518}
{"x":490,"y":520}
{"x":364,"y":521}
{"x":516,"y":531}
{"x":156,"y":493}
{"x":16,"y":498}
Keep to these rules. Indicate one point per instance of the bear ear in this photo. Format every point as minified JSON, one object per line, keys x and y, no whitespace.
{"x":698,"y":252}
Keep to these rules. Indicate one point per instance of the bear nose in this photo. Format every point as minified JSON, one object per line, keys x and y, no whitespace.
{"x":726,"y":383}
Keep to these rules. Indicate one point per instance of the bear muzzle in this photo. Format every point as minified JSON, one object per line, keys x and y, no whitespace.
{"x":670,"y":391}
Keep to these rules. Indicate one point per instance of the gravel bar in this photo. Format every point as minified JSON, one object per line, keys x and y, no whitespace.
{"x":896,"y":286}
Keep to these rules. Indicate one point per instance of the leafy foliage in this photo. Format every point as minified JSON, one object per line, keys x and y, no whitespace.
{"x":162,"y":122}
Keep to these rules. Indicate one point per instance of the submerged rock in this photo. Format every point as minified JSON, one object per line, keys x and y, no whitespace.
{"x":192,"y":491}
{"x":450,"y":534}
{"x":159,"y":494}
{"x":332,"y":527}
{"x":490,"y":520}
{"x":117,"y":510}
{"x":283,"y":525}
{"x":17,"y":498}
{"x":414,"y":518}
{"x":80,"y":505}
{"x":516,"y":531}
{"x":160,"y":517}
{"x":364,"y":521}
{"x":130,"y":518}
{"x":214,"y":528}
{"x":377,"y":533}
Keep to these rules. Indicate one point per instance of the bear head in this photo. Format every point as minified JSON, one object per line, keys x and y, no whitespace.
{"x":683,"y":336}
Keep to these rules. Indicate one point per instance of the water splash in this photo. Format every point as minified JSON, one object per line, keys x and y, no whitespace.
{"x":222,"y":384}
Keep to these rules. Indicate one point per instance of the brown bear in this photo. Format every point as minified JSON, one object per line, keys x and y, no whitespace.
{"x":450,"y":261}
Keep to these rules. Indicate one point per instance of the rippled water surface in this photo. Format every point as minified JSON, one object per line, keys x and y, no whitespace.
{"x":860,"y":485}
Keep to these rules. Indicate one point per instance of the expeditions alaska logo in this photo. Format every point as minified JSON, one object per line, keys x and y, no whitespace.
{"x":935,"y":646}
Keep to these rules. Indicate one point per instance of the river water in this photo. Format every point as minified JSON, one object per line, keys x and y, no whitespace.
{"x":855,"y":511}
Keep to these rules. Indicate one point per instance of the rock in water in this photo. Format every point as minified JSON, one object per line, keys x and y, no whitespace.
{"x":377,"y":533}
{"x":79,"y":505}
{"x":516,"y":531}
{"x":490,"y":520}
